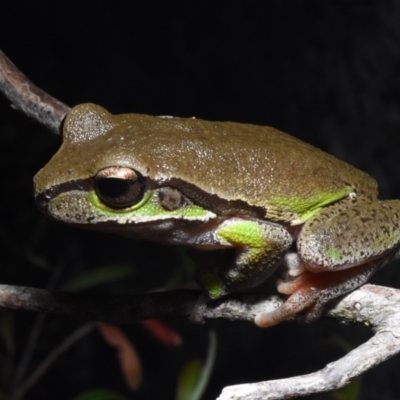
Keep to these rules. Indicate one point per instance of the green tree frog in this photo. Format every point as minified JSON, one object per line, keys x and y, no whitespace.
{"x":267,"y":200}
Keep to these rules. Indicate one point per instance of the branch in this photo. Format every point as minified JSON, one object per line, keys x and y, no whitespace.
{"x":30,"y":99}
{"x":371,"y":305}
{"x":129,"y":309}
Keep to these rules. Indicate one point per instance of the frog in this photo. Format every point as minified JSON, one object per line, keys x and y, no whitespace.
{"x":249,"y":201}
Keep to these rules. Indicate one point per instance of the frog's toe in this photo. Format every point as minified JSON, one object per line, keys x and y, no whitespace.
{"x":313,"y":313}
{"x":303,"y":294}
{"x":291,"y":285}
{"x":295,"y":304}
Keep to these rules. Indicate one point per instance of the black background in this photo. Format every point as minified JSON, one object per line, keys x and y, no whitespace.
{"x":326,"y":72}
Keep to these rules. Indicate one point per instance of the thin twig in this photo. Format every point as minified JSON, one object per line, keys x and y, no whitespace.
{"x":30,"y":99}
{"x":52,"y":357}
{"x":35,"y":333}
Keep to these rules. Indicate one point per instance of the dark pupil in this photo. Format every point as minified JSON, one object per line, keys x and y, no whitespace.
{"x":119,"y":187}
{"x":113,"y":188}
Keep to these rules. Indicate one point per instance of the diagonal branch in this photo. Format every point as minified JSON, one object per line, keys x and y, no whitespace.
{"x":30,"y":99}
{"x":372,"y":305}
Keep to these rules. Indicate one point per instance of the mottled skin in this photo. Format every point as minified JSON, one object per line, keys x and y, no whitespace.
{"x":272,"y":199}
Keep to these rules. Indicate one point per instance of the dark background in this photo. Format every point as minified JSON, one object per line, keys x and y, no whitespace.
{"x":327,"y":72}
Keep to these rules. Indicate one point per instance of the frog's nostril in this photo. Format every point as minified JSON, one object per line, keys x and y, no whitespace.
{"x":42,"y":201}
{"x":49,"y":193}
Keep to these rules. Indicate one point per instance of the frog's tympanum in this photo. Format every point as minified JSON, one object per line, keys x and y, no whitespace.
{"x":267,"y":199}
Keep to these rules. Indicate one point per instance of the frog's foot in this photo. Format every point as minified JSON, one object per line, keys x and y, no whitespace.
{"x":213,"y":288}
{"x":310,"y":292}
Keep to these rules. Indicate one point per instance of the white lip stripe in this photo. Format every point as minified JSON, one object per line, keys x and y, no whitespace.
{"x":124,"y":219}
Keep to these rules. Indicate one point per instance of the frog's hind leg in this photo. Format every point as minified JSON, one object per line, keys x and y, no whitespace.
{"x":341,"y":247}
{"x":310,"y":293}
{"x":339,"y":238}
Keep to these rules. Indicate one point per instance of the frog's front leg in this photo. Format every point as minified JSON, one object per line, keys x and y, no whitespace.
{"x":259,"y":247}
{"x":340,"y":248}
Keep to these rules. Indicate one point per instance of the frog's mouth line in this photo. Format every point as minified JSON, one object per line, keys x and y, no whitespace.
{"x":212,"y":202}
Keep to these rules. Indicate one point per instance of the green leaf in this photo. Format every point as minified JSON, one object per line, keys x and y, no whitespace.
{"x":185,"y":271}
{"x":349,"y":392}
{"x":7,"y":328}
{"x":192,"y":386}
{"x":338,"y":341}
{"x":97,"y":276}
{"x":188,"y":379}
{"x":188,"y":263}
{"x":37,"y":261}
{"x":100,"y":394}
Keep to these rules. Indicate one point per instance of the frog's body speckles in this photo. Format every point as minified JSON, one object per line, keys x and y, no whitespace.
{"x":339,"y":238}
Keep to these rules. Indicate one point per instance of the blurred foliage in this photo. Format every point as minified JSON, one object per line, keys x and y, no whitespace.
{"x":99,"y":394}
{"x":96,"y":277}
{"x":351,"y":391}
{"x":195,"y":377}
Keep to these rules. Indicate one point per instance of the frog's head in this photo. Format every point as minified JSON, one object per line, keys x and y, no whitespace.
{"x":104,"y":173}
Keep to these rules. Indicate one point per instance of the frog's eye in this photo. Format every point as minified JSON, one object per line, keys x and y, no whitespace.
{"x":119,"y":187}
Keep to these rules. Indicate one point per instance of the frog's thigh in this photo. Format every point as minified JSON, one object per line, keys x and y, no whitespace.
{"x":337,"y":238}
{"x":260,"y":246}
